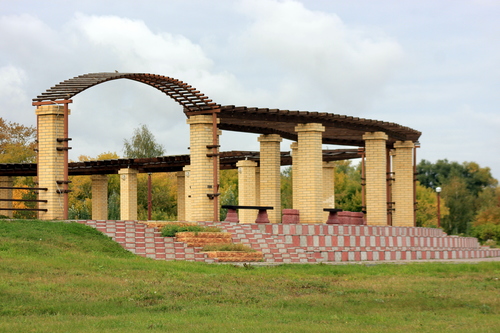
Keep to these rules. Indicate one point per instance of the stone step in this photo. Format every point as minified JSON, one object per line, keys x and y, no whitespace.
{"x":235,"y":256}
{"x":351,"y":243}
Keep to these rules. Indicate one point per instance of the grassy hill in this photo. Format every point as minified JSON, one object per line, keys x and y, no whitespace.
{"x":67,"y":277}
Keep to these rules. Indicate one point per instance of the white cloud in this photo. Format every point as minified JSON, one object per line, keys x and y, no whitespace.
{"x":340,"y":57}
{"x":319,"y":54}
{"x":12,"y":93}
{"x":134,"y":47}
{"x":11,"y":81}
{"x":107,"y":43}
{"x":27,"y":38}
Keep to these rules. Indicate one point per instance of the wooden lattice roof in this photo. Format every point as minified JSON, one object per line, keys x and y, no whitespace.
{"x":173,"y":163}
{"x":340,"y":129}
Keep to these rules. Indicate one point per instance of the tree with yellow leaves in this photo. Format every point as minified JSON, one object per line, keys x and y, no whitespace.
{"x":17,"y":142}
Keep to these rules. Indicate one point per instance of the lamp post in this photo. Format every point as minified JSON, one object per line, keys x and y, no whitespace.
{"x":438,"y":191}
{"x":150,"y":198}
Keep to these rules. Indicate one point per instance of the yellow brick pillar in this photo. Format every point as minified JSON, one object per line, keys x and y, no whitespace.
{"x":50,"y":168}
{"x":181,"y":195}
{"x":99,"y":197}
{"x":201,"y":167}
{"x":270,"y":177}
{"x":247,"y":194}
{"x":402,"y":187}
{"x":295,"y":173}
{"x":376,"y":178}
{"x":6,"y":181}
{"x":310,"y":173}
{"x":328,"y":187}
{"x":128,"y":194}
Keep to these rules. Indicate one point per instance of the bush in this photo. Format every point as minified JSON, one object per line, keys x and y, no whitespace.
{"x":487,"y":231}
{"x":228,"y":247}
{"x":171,"y":229}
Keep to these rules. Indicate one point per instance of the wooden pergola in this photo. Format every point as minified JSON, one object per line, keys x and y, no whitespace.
{"x":338,"y":130}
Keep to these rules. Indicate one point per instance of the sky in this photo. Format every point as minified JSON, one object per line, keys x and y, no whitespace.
{"x":432,"y":65}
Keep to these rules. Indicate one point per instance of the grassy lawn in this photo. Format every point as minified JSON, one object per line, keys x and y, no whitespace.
{"x":66,"y":277}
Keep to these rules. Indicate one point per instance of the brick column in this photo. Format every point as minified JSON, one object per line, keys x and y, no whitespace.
{"x":270,"y":177}
{"x":328,"y":187}
{"x":201,"y":173}
{"x":128,"y":194}
{"x":310,"y":173}
{"x":99,"y":197}
{"x":6,"y":181}
{"x":247,"y":195}
{"x":295,"y":173}
{"x":376,"y":178}
{"x":50,"y":168}
{"x":181,"y":195}
{"x":402,"y":187}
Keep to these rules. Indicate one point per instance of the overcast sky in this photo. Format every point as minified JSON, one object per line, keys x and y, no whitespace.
{"x":430,"y":65}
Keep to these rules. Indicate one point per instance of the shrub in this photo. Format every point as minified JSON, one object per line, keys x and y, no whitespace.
{"x":228,"y":247}
{"x":170,"y":230}
{"x":487,"y":231}
{"x":490,"y":243}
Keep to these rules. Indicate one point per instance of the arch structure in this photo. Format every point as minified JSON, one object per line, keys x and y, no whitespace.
{"x":387,"y":151}
{"x":184,"y":94}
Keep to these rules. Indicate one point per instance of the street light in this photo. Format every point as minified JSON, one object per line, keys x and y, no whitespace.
{"x":438,"y":191}
{"x":150,"y":197}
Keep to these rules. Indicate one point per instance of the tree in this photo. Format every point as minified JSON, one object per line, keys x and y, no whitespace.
{"x":228,"y":189}
{"x":142,"y":144}
{"x":489,"y":207}
{"x":17,"y":143}
{"x":26,"y":182}
{"x":348,"y":186}
{"x":427,"y":207}
{"x":287,"y":188}
{"x":163,"y":196}
{"x":79,"y":199}
{"x":439,"y":174}
{"x":466,"y":189}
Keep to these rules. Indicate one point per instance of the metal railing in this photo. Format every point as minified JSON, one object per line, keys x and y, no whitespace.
{"x":24,"y":200}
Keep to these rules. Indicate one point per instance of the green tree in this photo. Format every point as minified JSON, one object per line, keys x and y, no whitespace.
{"x":348,"y":186}
{"x":163,"y":196}
{"x":287,"y":188}
{"x":142,"y":144}
{"x":466,"y":190}
{"x":427,"y":207}
{"x":25,"y":195}
{"x":440,"y":173}
{"x":489,"y":207}
{"x":228,"y":189}
{"x":80,"y":197}
{"x":17,"y":143}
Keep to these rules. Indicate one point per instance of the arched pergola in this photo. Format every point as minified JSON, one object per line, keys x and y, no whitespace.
{"x":339,"y":129}
{"x":309,"y":130}
{"x":187,"y":96}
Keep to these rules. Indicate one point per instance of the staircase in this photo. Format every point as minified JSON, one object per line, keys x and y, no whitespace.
{"x":148,"y":242}
{"x":302,"y":243}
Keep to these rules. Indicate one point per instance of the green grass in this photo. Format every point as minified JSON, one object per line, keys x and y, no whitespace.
{"x":228,"y":247}
{"x":60,"y":277}
{"x":170,"y":230}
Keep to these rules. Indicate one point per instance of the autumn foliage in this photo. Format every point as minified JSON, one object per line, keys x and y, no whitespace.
{"x":17,"y":143}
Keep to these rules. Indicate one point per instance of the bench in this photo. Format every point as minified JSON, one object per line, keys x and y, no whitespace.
{"x":332,"y":216}
{"x":337,"y":216}
{"x":232,"y":215}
